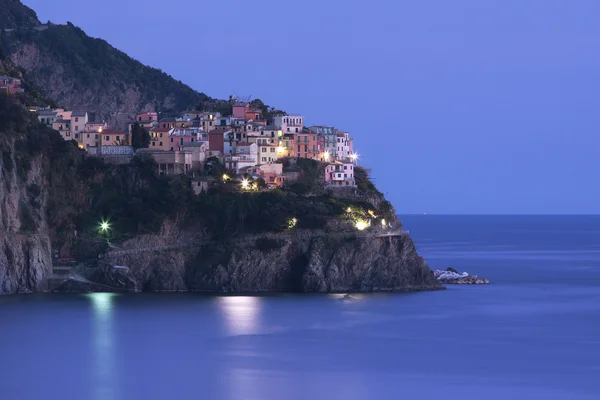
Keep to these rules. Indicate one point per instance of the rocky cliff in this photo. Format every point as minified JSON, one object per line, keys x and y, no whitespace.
{"x":25,"y":254}
{"x":302,"y":262}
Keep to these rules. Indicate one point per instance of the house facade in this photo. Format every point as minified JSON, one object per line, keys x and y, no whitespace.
{"x":160,"y":139}
{"x":10,"y":85}
{"x":112,"y":137}
{"x":340,"y":174}
{"x":289,"y":123}
{"x":307,"y":145}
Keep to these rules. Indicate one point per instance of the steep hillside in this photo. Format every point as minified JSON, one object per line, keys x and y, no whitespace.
{"x":53,"y":197}
{"x":80,"y":72}
{"x":13,"y":14}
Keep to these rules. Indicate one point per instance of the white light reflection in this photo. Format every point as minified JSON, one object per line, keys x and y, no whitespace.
{"x":346,"y":296}
{"x":103,"y":347}
{"x":241,"y":314}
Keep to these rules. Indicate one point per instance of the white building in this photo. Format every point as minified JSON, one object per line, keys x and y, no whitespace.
{"x":246,"y":155}
{"x":289,"y":123}
{"x":343,"y":146}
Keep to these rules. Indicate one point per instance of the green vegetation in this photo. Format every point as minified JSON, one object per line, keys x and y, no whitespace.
{"x":14,"y":14}
{"x":140,"y":138}
{"x":81,"y":192}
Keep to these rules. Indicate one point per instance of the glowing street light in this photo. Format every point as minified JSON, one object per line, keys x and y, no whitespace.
{"x":225,"y":177}
{"x":361,"y":225}
{"x":326,"y":155}
{"x":354,"y":157}
{"x":104,"y":226}
{"x":245,"y":184}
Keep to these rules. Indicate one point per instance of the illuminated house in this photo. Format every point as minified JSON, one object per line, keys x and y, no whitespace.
{"x":159,"y":138}
{"x":340,"y":174}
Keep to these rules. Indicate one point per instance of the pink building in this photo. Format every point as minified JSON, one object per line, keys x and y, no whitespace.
{"x":239,"y":110}
{"x":10,"y":85}
{"x":146,"y":117}
{"x":340,"y":174}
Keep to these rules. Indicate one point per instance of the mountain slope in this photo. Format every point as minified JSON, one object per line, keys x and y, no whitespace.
{"x":13,"y":14}
{"x":80,"y":72}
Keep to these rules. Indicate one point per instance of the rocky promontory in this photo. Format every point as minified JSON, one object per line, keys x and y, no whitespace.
{"x":302,"y":262}
{"x":453,"y":277}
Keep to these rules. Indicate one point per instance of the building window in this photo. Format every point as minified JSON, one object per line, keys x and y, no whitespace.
{"x":76,"y":120}
{"x":171,"y":149}
{"x":107,"y":138}
{"x":296,"y":130}
{"x":76,"y":127}
{"x":153,"y":144}
{"x":160,"y":144}
{"x":272,"y":150}
{"x":88,"y":135}
{"x":264,"y":159}
{"x":264,"y":149}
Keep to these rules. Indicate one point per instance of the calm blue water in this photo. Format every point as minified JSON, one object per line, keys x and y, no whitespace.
{"x":533,"y":334}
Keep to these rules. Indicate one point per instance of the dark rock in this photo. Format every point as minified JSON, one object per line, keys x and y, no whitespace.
{"x":298,"y":264}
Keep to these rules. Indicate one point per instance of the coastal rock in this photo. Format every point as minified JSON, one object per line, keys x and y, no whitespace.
{"x":453,"y":277}
{"x":25,"y":256}
{"x":300,"y":263}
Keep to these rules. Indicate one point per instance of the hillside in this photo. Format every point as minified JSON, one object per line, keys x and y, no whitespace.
{"x":13,"y":14}
{"x":53,"y":198}
{"x":80,"y":72}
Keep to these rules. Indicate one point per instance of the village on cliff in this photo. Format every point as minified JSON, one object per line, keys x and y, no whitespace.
{"x":245,"y":143}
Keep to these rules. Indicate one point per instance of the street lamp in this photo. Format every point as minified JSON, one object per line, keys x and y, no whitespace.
{"x":245,"y":183}
{"x":326,"y":156}
{"x":104,"y":226}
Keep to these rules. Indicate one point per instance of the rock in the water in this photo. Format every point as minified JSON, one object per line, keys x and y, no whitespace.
{"x":453,"y":277}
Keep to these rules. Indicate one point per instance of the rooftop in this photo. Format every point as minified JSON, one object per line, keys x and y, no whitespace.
{"x":78,"y":113}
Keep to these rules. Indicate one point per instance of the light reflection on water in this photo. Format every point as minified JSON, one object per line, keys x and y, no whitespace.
{"x":105,"y":373}
{"x":241,"y":314}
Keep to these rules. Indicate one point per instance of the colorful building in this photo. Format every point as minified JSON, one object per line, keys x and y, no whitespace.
{"x":340,"y":174}
{"x":112,"y":137}
{"x":289,"y":123}
{"x":307,"y":145}
{"x":150,"y":116}
{"x":78,"y":121}
{"x":63,"y":126}
{"x":160,"y":139}
{"x":10,"y":85}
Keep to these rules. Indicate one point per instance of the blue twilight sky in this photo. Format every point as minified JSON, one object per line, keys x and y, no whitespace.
{"x":464,"y":106}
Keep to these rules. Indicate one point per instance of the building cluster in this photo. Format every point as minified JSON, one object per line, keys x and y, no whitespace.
{"x":10,"y":85}
{"x":244,"y":142}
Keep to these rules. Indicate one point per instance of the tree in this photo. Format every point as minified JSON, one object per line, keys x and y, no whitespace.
{"x":140,"y":138}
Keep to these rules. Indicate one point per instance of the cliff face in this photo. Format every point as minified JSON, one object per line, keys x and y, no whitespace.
{"x":25,"y":253}
{"x":298,"y":263}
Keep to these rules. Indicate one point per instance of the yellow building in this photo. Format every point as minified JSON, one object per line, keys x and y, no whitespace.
{"x":159,"y":139}
{"x":110,"y":137}
{"x":269,"y":150}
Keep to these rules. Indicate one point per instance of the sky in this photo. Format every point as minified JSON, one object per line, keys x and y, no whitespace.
{"x":458,"y":107}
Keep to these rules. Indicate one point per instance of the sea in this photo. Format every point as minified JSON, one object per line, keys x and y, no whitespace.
{"x":533,"y":333}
